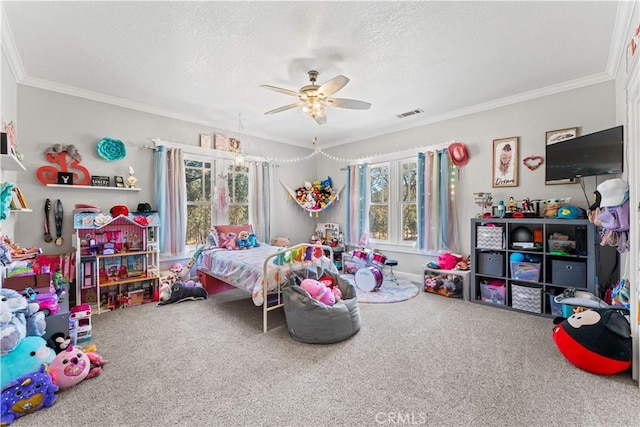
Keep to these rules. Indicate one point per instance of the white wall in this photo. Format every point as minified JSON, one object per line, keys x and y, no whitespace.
{"x":8,"y":113}
{"x":49,"y":117}
{"x":591,"y":109}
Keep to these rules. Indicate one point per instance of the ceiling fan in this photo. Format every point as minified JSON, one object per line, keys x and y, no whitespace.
{"x":313,"y":99}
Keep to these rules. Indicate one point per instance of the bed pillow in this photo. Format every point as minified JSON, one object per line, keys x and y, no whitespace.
{"x":224,"y":232}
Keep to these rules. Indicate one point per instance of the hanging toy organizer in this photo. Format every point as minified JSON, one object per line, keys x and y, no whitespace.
{"x":316,"y":197}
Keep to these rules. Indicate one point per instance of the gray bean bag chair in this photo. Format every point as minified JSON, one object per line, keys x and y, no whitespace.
{"x":313,"y":322}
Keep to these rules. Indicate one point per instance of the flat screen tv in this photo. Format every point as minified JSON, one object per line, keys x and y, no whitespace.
{"x":598,"y":153}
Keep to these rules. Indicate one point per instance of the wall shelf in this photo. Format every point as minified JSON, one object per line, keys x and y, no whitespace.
{"x":93,"y":187}
{"x":10,"y":162}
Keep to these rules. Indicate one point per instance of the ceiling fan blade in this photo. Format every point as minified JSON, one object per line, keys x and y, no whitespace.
{"x":285,"y":108}
{"x":353,"y":104}
{"x":321,"y":120}
{"x":333,"y":85}
{"x":281,"y":90}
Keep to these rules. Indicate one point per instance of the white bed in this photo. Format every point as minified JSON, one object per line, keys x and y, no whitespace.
{"x":263,"y":270}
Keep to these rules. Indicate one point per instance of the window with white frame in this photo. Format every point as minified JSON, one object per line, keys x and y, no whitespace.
{"x":393,"y":211}
{"x":238,"y":180}
{"x":200,"y":180}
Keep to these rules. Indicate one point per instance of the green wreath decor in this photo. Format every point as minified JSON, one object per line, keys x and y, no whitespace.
{"x":111,"y":149}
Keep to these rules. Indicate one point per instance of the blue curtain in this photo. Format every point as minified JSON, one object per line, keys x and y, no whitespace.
{"x":357,"y":229}
{"x":437,"y":214}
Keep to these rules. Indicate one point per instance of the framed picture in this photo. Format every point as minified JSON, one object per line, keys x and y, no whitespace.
{"x":221,"y":142}
{"x":100,"y":181}
{"x":505,"y":161}
{"x":234,"y":145}
{"x":119,"y":181}
{"x":555,"y":136}
{"x":206,"y":141}
{"x":65,"y":178}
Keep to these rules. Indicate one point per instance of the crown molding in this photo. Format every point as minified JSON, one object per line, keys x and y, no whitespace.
{"x":10,"y":49}
{"x":502,"y":102}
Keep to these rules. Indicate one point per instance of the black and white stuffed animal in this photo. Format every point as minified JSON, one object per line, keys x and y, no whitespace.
{"x":180,"y":292}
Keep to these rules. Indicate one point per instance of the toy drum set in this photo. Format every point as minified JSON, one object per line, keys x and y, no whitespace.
{"x":369,"y":277}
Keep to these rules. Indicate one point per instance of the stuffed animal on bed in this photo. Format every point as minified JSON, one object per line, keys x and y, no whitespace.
{"x":317,"y":290}
{"x":243,"y":240}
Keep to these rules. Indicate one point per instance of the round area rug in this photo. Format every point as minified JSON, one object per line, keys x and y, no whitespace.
{"x":388,"y":292}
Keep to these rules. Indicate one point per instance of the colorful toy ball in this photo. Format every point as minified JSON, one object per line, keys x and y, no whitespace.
{"x":597,"y":341}
{"x":26,"y":394}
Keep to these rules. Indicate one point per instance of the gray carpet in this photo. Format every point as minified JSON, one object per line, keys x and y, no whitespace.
{"x":429,"y":361}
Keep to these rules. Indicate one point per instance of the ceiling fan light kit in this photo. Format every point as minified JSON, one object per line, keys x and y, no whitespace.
{"x":313,"y":99}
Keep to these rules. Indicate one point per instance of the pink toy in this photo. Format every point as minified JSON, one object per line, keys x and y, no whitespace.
{"x":447,"y":261}
{"x":319,"y":291}
{"x":74,"y":365}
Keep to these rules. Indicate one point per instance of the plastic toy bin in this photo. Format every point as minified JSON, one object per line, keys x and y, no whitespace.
{"x":493,"y":291}
{"x":527,"y":271}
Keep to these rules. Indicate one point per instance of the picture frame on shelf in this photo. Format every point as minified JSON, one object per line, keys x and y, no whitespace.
{"x":206,"y":140}
{"x":221,"y":142}
{"x":100,"y":181}
{"x":234,"y":145}
{"x":65,"y":178}
{"x":505,"y":161}
{"x":553,"y":137}
{"x":118,"y":181}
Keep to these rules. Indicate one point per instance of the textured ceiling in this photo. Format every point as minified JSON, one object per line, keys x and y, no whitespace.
{"x":205,"y":61}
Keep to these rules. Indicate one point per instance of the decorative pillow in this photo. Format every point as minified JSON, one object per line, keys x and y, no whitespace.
{"x":223,"y":231}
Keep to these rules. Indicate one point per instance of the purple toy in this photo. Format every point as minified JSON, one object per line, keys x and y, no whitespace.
{"x":27,"y":394}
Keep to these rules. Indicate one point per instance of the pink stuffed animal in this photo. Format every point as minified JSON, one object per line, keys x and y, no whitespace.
{"x":448,"y":261}
{"x":74,"y":365}
{"x":318,"y":291}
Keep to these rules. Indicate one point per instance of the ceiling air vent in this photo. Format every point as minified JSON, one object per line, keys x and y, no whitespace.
{"x":410,"y":113}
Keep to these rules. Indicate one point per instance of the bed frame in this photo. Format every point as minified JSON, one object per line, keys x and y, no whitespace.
{"x":215,"y":285}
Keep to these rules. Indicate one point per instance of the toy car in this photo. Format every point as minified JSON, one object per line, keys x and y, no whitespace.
{"x":48,"y":302}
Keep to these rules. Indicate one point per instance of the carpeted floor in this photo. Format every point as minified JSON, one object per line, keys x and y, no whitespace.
{"x":429,"y":360}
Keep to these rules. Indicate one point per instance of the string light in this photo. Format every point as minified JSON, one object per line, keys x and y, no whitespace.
{"x":356,"y":159}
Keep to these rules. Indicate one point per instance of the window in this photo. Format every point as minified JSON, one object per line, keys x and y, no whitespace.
{"x":408,"y":205}
{"x":200,"y":192}
{"x":238,"y":179}
{"x":379,"y":209}
{"x":393,"y":211}
{"x":198,"y":178}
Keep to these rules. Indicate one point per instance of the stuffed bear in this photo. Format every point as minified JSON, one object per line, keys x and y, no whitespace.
{"x":317,"y":290}
{"x":243,"y":240}
{"x":281,"y":241}
{"x":18,"y":319}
